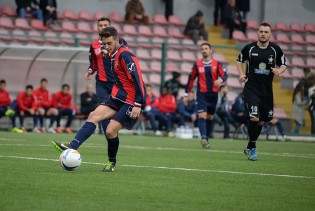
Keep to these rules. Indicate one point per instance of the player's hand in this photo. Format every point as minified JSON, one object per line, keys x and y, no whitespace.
{"x":87,"y":76}
{"x":135,"y":112}
{"x":242,"y":78}
{"x":28,"y":8}
{"x":217,"y":83}
{"x":105,"y":53}
{"x":276,"y":71}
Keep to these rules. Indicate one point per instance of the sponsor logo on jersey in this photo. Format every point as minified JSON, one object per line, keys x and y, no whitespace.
{"x":131,"y":67}
{"x":262,"y":69}
{"x":254,"y":54}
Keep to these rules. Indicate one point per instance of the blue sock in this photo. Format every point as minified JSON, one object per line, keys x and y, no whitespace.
{"x":41,"y":120}
{"x":52,"y":120}
{"x":84,"y":133}
{"x":104,"y":125}
{"x":280,"y":128}
{"x":202,"y":128}
{"x":35,"y":119}
{"x":209,"y":125}
{"x":113,"y":145}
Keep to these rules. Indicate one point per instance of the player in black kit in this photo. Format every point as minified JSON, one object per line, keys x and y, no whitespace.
{"x":264,"y":60}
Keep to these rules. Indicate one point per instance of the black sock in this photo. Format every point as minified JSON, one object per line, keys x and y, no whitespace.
{"x":113,"y":145}
{"x":259,"y":128}
{"x":252,"y":134}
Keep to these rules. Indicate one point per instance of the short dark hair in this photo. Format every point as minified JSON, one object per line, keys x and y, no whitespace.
{"x":2,"y":81}
{"x":65,"y":85}
{"x":148,"y":85}
{"x":206,"y":43}
{"x":43,"y":80}
{"x":109,"y":32}
{"x":29,"y":87}
{"x":104,"y":19}
{"x":265,"y":24}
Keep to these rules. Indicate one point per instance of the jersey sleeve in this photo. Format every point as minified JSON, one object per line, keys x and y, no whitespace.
{"x":280,"y":57}
{"x":92,"y":60}
{"x":122,"y":41}
{"x":243,"y":56}
{"x":191,"y":78}
{"x":222,"y":72}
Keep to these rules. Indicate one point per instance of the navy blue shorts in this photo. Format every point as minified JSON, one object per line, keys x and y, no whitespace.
{"x":123,"y":112}
{"x":206,"y":102}
{"x":103,"y":90}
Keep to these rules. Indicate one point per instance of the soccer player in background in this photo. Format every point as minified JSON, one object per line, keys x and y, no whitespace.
{"x":101,"y":64}
{"x":210,"y":75}
{"x":262,"y":58}
{"x":44,"y":106}
{"x":124,"y":105}
{"x":62,"y":101}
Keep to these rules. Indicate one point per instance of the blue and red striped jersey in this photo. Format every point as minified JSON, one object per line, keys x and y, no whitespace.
{"x":207,"y":73}
{"x":99,"y":63}
{"x":129,"y":86}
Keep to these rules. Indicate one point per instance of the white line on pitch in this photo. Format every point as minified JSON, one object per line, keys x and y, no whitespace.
{"x":172,"y":168}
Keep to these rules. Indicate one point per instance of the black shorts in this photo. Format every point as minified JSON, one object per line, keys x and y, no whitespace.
{"x":259,"y":106}
{"x":123,"y":112}
{"x":103,"y":90}
{"x":206,"y":102}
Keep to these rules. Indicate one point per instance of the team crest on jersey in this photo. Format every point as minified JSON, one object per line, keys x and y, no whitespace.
{"x":97,"y":51}
{"x":262,"y":66}
{"x":131,"y":67}
{"x":201,"y":69}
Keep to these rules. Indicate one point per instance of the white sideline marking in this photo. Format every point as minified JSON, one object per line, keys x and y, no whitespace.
{"x":11,"y":139}
{"x":308,"y":156}
{"x":172,"y":168}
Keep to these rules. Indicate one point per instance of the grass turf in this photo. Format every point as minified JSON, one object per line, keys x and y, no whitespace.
{"x":155,"y":173}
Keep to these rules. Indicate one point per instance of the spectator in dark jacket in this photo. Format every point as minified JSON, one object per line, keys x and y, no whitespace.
{"x":244,"y":7}
{"x":135,"y":11}
{"x":49,"y":8}
{"x":88,"y":101}
{"x":187,"y":109}
{"x":232,"y":18}
{"x":29,"y":7}
{"x":238,"y":110}
{"x":173,"y":85}
{"x":218,"y":6}
{"x":195,"y":27}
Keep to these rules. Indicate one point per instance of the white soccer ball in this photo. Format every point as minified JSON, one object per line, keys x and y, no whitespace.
{"x":70,"y":159}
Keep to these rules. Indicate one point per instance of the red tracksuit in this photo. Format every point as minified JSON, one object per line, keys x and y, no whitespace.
{"x":26,"y":102}
{"x":43,"y":98}
{"x":167,"y":103}
{"x":61,"y":100}
{"x":152,"y":101}
{"x":5,"y":99}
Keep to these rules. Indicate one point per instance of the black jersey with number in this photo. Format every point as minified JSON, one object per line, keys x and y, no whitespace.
{"x":259,"y":63}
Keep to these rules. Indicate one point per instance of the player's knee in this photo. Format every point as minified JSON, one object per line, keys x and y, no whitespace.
{"x":254,"y":119}
{"x":260,"y":123}
{"x":110,"y":133}
{"x":210,"y":117}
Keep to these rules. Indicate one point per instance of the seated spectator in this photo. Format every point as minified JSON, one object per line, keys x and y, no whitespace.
{"x":244,"y":7}
{"x":29,"y":7}
{"x":26,"y":104}
{"x":233,"y":19}
{"x":274,"y":123}
{"x":195,"y":27}
{"x":135,"y":11}
{"x":299,"y":104}
{"x":173,"y":85}
{"x":44,"y":107}
{"x":89,"y":100}
{"x":49,"y":9}
{"x":62,"y":101}
{"x":7,"y":108}
{"x":238,"y":110}
{"x":222,"y":110}
{"x":151,"y":111}
{"x":167,"y":105}
{"x":187,"y":110}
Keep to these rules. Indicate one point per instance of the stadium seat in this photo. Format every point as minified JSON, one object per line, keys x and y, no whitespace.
{"x":95,"y":37}
{"x":155,"y":78}
{"x":5,"y":35}
{"x":157,"y":42}
{"x":310,"y":39}
{"x":171,"y":66}
{"x":310,"y":62}
{"x":175,"y":20}
{"x":173,"y":55}
{"x":85,"y":15}
{"x":160,"y":19}
{"x":189,"y":56}
{"x":189,"y":44}
{"x":273,"y":39}
{"x":130,"y":30}
{"x":311,"y":48}
{"x":183,"y":79}
{"x":286,"y":74}
{"x":220,"y":57}
{"x":145,"y":79}
{"x":283,"y":38}
{"x":144,"y":67}
{"x":298,"y":62}
{"x":282,"y":26}
{"x":38,"y":25}
{"x":6,"y":23}
{"x":239,"y":36}
{"x":298,"y":50}
{"x":232,"y":70}
{"x":296,"y":27}
{"x":116,"y":17}
{"x":186,"y":67}
{"x":99,"y":14}
{"x":144,"y":42}
{"x":8,"y":10}
{"x":19,"y":35}
{"x":67,"y":38}
{"x":85,"y":27}
{"x":298,"y":39}
{"x":252,"y":25}
{"x":199,"y":42}
{"x":83,"y":39}
{"x":231,"y":96}
{"x":118,"y":28}
{"x":155,"y":66}
{"x":68,"y":26}
{"x":145,"y":31}
{"x":52,"y":37}
{"x":130,"y":40}
{"x":252,"y":36}
{"x":160,"y":31}
{"x":234,"y":83}
{"x":36,"y":36}
{"x":309,"y":27}
{"x":22,"y":24}
{"x":174,"y":44}
{"x":273,"y":28}
{"x":70,"y":14}
{"x":174,"y":32}
{"x":143,"y":54}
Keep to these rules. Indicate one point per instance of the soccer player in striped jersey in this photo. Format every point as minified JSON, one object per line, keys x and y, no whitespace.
{"x":125,"y":103}
{"x":262,"y":58}
{"x":211,"y":75}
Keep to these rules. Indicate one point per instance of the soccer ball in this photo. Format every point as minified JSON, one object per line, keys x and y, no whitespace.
{"x":70,"y":159}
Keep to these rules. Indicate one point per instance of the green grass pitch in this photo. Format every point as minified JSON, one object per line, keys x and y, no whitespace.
{"x":155,"y":173}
